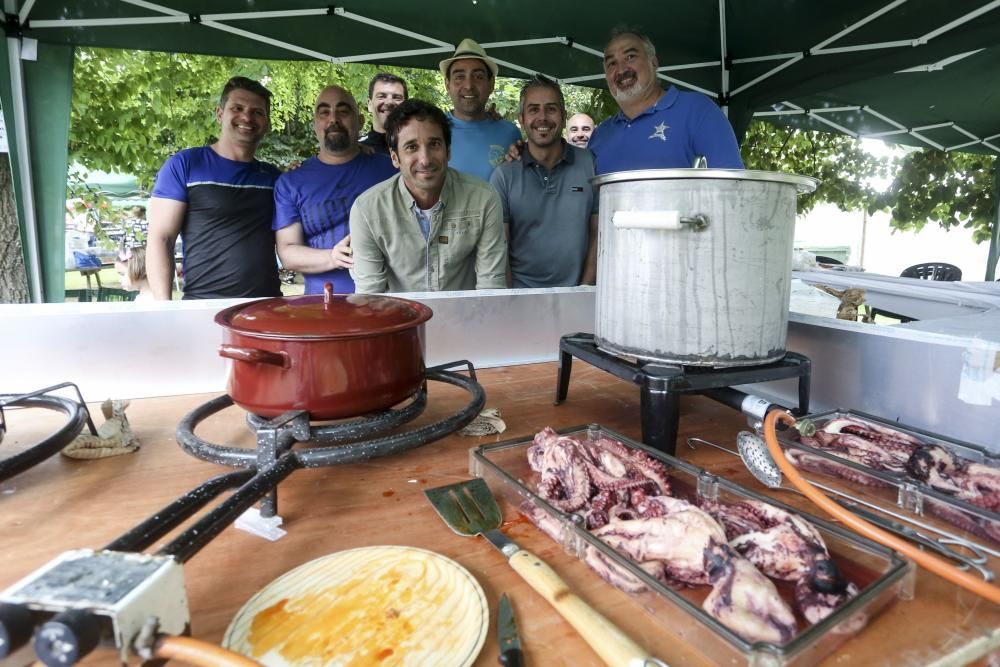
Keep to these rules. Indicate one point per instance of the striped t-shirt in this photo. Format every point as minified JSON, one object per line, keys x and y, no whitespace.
{"x":228,"y":242}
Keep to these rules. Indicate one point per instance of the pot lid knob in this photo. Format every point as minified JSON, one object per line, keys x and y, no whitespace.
{"x":327,"y":293}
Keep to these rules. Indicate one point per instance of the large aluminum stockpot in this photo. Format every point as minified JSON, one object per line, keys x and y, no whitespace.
{"x":334,"y":356}
{"x":694,"y":265}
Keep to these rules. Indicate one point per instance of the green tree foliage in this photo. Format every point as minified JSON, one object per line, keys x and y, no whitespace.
{"x":928,"y":185}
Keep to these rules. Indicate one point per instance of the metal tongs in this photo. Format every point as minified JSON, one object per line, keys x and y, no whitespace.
{"x":765,"y":471}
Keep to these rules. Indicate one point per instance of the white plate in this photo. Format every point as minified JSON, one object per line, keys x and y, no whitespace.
{"x":385,"y":605}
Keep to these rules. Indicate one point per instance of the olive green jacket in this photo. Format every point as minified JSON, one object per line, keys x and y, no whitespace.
{"x":465,"y":249}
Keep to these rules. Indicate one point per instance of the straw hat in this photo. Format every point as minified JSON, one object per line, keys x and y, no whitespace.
{"x":468,"y":48}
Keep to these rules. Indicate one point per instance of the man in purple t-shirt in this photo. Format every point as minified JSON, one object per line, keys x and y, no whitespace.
{"x":312,"y":204}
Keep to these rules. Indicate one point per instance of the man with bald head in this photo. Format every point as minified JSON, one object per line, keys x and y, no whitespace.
{"x":312,"y":204}
{"x":579,"y":127}
{"x":656,"y":129}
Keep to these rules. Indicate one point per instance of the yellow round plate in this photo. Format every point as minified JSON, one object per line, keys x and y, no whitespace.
{"x":384,"y":606}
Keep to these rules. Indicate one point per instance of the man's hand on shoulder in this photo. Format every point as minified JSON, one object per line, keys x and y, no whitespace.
{"x":514,"y":151}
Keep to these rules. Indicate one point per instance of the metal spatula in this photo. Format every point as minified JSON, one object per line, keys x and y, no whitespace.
{"x":470,"y":509}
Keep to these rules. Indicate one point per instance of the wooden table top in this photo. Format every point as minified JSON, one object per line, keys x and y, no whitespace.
{"x":65,"y":504}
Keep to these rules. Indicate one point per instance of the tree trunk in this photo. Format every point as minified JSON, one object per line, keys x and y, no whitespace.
{"x":13,"y":277}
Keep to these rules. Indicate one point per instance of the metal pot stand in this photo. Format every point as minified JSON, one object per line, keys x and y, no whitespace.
{"x":662,"y":383}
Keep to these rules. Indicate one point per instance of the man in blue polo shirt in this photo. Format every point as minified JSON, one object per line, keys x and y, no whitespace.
{"x":548,"y":202}
{"x":657,"y":129}
{"x":312,"y":204}
{"x":479,"y":140}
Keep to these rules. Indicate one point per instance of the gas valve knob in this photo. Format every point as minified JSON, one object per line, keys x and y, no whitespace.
{"x":16,"y":626}
{"x":67,"y":638}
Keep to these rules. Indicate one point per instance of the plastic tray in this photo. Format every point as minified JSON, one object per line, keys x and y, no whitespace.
{"x":879,"y":573}
{"x":910,"y":494}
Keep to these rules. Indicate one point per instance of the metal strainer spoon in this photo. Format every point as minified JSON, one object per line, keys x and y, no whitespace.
{"x":758,"y":460}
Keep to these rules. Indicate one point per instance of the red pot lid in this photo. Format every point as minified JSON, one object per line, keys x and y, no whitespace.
{"x":324,"y":316}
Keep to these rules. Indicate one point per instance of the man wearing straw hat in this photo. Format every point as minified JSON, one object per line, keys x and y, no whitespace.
{"x":479,"y":143}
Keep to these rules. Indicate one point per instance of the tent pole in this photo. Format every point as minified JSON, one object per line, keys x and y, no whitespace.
{"x":991,"y":261}
{"x":33,"y":252}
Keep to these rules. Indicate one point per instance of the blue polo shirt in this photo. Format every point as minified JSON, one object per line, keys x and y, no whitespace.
{"x":668,"y":135}
{"x":548,"y":212}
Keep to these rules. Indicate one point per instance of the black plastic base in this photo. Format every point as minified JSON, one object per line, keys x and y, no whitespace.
{"x":662,"y":384}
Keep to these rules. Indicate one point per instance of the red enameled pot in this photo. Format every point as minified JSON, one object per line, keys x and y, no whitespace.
{"x":333,"y":355}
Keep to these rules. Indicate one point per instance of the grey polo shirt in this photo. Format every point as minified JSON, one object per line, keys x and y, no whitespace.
{"x":549,"y":217}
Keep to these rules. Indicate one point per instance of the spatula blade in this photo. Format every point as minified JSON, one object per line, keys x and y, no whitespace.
{"x":468,"y":508}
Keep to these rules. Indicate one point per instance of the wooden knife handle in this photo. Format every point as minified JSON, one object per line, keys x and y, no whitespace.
{"x":608,"y":641}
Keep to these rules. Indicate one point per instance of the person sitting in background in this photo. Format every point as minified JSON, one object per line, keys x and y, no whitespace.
{"x":131,"y":268}
{"x":429,"y":227}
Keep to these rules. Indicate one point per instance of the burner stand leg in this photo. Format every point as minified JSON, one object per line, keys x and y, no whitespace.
{"x":660,"y":410}
{"x":565,"y":368}
{"x":267,"y":454}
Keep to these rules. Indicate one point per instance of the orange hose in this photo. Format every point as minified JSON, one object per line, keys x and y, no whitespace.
{"x":199,"y":653}
{"x":936,"y":565}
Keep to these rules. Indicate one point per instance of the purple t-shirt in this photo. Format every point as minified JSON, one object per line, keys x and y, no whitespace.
{"x":320,"y":196}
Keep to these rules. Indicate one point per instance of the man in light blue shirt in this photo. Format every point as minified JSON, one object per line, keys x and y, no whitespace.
{"x":479,"y":143}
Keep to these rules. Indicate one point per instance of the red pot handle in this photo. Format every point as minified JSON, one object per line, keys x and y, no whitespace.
{"x":254,"y":355}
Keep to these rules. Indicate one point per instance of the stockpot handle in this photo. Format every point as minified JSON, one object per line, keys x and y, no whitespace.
{"x":658,"y":220}
{"x":255,"y":356}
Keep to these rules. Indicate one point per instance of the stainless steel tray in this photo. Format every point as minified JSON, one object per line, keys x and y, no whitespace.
{"x":880,"y":574}
{"x":912,"y":495}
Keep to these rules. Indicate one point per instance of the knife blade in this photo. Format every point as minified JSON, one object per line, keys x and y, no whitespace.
{"x":510,"y":644}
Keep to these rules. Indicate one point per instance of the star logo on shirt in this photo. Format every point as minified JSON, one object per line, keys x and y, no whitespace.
{"x":660,"y":132}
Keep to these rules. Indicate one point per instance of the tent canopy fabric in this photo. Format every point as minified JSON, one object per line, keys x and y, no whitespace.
{"x":918,"y":72}
{"x":897,"y":65}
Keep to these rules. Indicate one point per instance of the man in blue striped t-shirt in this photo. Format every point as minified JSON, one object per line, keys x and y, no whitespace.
{"x":220,"y":198}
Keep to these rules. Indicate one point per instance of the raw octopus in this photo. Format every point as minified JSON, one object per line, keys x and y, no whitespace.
{"x":624,"y":498}
{"x":787,"y":547}
{"x":888,"y":450}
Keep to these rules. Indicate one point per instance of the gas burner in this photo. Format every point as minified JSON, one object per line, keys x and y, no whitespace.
{"x":321,"y":444}
{"x":662,"y":383}
{"x":76,"y":416}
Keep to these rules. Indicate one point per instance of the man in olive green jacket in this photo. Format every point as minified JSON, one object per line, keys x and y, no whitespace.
{"x":430,"y":228}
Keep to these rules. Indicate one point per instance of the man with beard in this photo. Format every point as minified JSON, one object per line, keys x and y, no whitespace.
{"x":548,"y":202}
{"x":312,"y":204}
{"x":429,"y":228}
{"x":656,"y":129}
{"x":480,"y":140}
{"x":385,"y":93}
{"x":220,"y":198}
{"x":579,"y":127}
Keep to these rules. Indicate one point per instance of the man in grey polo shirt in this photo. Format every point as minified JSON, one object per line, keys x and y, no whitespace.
{"x":428,"y":228}
{"x":549,"y":207}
